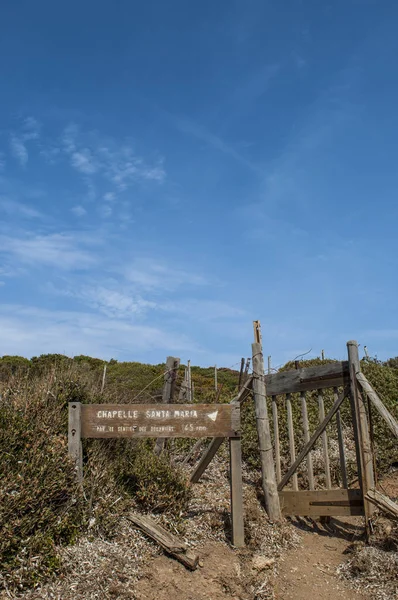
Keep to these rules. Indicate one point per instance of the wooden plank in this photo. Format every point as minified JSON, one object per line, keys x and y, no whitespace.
{"x":343,"y":465}
{"x":206,"y":459}
{"x":276,"y":439}
{"x":269,"y":484}
{"x":235,"y":453}
{"x":169,"y":542}
{"x":290,"y":431}
{"x":170,"y":377}
{"x":338,"y":503}
{"x":307,"y":378}
{"x":325,"y":446}
{"x":321,"y":427}
{"x":216,"y":442}
{"x":74,"y":438}
{"x":150,"y":420}
{"x":378,"y":404}
{"x":366,"y":480}
{"x":306,"y":431}
{"x":382,"y":502}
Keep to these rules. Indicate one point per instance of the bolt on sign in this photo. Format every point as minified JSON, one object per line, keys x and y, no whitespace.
{"x":166,"y":421}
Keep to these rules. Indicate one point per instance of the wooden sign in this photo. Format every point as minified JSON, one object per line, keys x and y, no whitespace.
{"x":159,"y":420}
{"x":217,"y":421}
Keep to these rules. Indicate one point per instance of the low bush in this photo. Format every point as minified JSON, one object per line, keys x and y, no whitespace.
{"x":154,"y":483}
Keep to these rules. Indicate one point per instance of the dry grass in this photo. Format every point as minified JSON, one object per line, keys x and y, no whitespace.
{"x":374,"y":567}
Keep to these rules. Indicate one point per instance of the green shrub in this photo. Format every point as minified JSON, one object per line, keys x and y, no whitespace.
{"x":40,"y":504}
{"x":154,"y":483}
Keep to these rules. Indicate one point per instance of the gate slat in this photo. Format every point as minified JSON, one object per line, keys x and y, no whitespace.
{"x":321,"y":406}
{"x":290,"y":430}
{"x":276,"y":439}
{"x":343,"y":465}
{"x":306,"y":428}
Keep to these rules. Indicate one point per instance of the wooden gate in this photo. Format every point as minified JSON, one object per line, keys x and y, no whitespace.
{"x":302,"y":386}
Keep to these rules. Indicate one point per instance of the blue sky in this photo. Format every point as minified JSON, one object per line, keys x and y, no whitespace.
{"x":171,"y":171}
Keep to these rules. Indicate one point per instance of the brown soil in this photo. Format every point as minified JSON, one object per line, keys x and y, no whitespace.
{"x":303,"y":573}
{"x":311,"y":571}
{"x":218,"y":579}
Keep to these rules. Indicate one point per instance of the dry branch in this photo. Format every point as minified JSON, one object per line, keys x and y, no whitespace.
{"x":382,"y":502}
{"x":169,"y":542}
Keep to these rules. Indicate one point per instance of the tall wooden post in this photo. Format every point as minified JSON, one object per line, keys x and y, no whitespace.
{"x":235,"y":453}
{"x":361,"y":432}
{"x":189,"y":382}
{"x":170,"y":376}
{"x":75,"y":438}
{"x":263,"y":430}
{"x":215,"y":377}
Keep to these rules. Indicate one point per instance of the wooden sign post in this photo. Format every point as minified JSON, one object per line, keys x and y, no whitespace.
{"x":165,"y":421}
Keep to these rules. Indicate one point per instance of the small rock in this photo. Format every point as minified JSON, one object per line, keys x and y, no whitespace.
{"x":201,"y":564}
{"x":262,"y":562}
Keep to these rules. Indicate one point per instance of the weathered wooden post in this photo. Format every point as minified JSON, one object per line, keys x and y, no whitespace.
{"x":263,"y":430}
{"x":235,"y":461}
{"x":361,"y":432}
{"x":170,"y":376}
{"x":75,"y":438}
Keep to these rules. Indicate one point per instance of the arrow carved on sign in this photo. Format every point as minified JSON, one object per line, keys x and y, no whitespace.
{"x":213,"y":415}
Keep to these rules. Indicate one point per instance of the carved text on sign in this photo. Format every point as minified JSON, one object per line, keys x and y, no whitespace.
{"x":145,"y":420}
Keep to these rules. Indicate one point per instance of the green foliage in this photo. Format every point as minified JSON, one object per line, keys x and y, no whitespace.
{"x":40,"y":504}
{"x":13,"y":365}
{"x":154,"y":483}
{"x":384,"y":380}
{"x":392,"y":362}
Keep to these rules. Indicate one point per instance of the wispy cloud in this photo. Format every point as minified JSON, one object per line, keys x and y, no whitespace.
{"x":59,"y":250}
{"x":200,"y":132}
{"x":29,"y":331}
{"x":12,"y":208}
{"x":204,"y":310}
{"x":113,"y":302}
{"x":150,"y":274}
{"x":29,"y":130}
{"x":19,"y":150}
{"x":79,"y":211}
{"x":84,"y":162}
{"x":92,"y":154}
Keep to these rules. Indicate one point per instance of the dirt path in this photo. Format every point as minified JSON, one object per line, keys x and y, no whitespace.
{"x":304,"y":573}
{"x":310,"y":571}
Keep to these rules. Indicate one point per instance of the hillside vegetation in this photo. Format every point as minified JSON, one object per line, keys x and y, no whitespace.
{"x":41,"y":506}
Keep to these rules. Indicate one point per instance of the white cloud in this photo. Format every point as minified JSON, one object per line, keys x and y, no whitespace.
{"x":30,"y":331}
{"x":109,"y":196}
{"x":13,"y":208}
{"x":113,"y":302}
{"x":79,"y":211}
{"x":91,"y":155}
{"x":105,"y":211}
{"x":152,"y":274}
{"x":84,"y":161}
{"x":63,"y":251}
{"x":204,"y":310}
{"x":69,"y":138}
{"x":30,"y":130}
{"x":199,"y":132}
{"x":19,"y":150}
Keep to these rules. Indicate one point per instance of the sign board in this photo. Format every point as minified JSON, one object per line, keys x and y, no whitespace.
{"x":160,"y":420}
{"x":217,"y":421}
